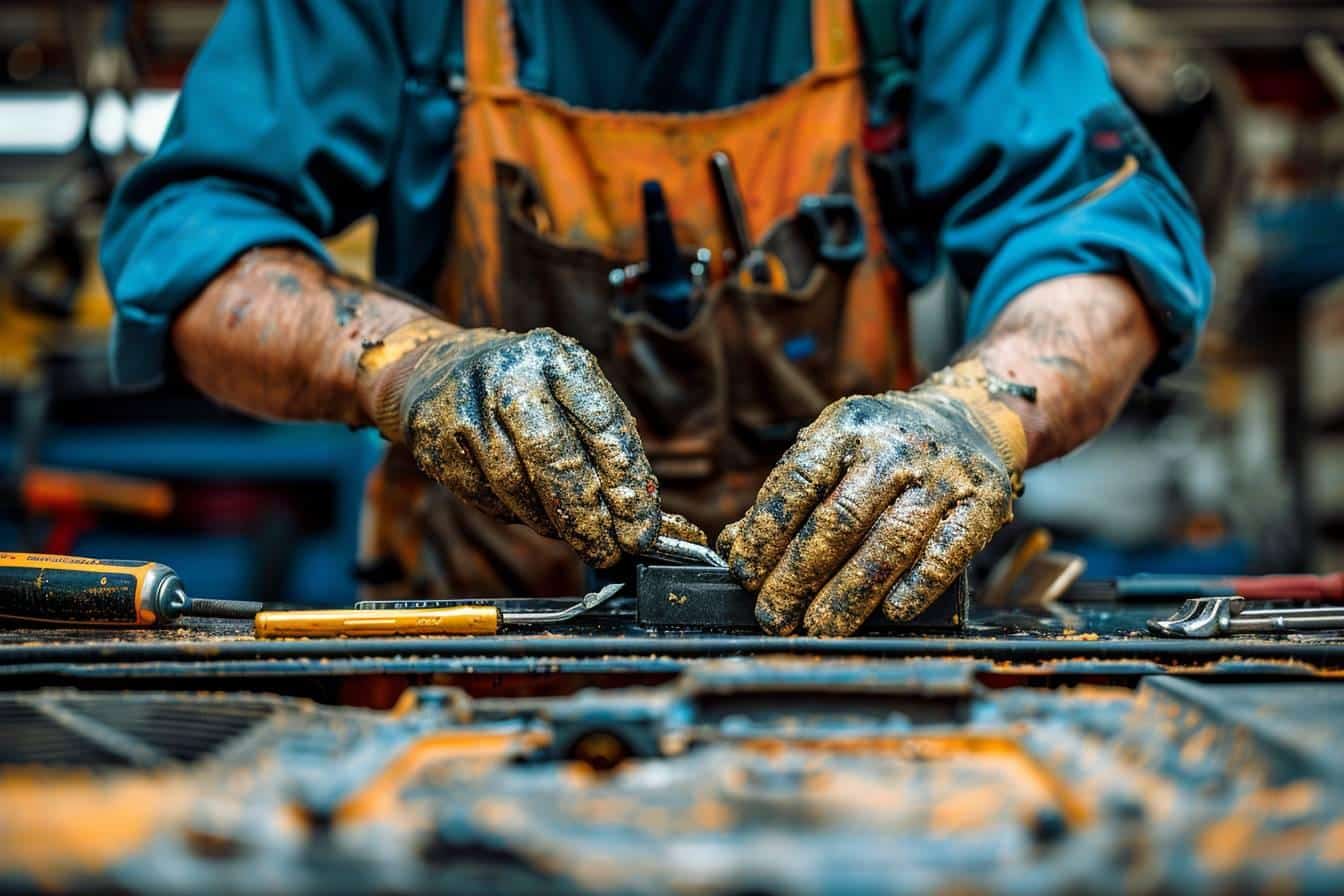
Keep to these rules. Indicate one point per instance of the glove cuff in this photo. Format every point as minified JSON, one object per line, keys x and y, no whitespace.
{"x":974,"y":388}
{"x":386,"y":366}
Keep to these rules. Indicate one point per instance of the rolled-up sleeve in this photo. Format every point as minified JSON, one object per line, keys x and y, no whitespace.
{"x":1033,"y":168}
{"x":281,"y":135}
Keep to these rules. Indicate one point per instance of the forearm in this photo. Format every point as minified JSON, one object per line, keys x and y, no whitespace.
{"x":1082,"y":342}
{"x":277,"y":335}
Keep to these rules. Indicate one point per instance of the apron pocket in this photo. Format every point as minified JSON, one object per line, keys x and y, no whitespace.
{"x":788,"y":332}
{"x":545,"y":282}
{"x":671,"y":379}
{"x":673,"y":382}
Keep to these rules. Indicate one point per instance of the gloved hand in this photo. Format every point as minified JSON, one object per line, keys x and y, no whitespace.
{"x":882,"y":499}
{"x":523,"y":426}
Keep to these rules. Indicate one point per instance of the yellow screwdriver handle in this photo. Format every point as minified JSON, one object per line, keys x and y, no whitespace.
{"x":465,"y":620}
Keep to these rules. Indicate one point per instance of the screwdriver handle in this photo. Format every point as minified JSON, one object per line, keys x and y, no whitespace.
{"x":57,"y":589}
{"x":1291,"y":587}
{"x":463,"y":620}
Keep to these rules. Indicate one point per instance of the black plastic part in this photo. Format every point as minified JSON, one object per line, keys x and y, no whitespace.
{"x":68,"y":595}
{"x":667,"y":284}
{"x":707,"y":598}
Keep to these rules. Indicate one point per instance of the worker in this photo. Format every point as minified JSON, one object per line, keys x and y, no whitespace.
{"x":510,"y":153}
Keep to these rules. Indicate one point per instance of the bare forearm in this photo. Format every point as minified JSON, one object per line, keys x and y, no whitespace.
{"x":277,"y":335}
{"x":1082,"y":342}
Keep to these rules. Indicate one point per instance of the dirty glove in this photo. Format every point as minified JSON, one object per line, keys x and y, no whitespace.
{"x":882,"y":499}
{"x":523,"y":426}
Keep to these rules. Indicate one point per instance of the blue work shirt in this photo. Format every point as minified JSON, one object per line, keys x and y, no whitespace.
{"x":298,"y":118}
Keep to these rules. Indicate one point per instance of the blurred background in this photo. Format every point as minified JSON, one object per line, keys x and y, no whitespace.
{"x":1235,"y":465}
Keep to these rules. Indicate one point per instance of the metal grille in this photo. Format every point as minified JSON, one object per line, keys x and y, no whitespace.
{"x":122,"y":730}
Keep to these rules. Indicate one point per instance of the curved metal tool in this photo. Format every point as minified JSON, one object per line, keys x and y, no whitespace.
{"x":507,"y":617}
{"x":589,"y":601}
{"x":678,"y":551}
{"x":1212,"y":617}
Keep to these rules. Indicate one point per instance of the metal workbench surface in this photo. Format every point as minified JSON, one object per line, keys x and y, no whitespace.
{"x":1111,"y":634}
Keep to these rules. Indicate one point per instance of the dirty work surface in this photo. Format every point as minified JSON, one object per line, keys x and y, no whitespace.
{"x":739,"y":776}
{"x":1107,"y":634}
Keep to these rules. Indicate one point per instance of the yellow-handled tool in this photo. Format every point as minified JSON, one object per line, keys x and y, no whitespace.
{"x":482,"y":619}
{"x":61,"y":590}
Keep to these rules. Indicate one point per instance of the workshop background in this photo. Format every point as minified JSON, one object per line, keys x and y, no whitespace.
{"x":1234,"y":465}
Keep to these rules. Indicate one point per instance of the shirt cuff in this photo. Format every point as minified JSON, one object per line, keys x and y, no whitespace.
{"x":1139,"y":229}
{"x":165,"y":254}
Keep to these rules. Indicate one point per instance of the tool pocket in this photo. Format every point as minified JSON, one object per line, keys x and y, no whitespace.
{"x":789,"y":315}
{"x":544,"y":280}
{"x":674,"y":382}
{"x":671,"y":379}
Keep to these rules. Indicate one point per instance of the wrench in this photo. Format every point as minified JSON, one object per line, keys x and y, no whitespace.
{"x":1212,"y":617}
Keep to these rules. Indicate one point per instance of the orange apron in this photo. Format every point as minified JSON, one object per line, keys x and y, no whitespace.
{"x":549,"y":203}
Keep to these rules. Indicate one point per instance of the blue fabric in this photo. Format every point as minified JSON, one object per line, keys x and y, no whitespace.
{"x":297,"y":118}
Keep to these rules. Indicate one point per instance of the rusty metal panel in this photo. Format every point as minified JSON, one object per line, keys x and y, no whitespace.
{"x":741,"y":775}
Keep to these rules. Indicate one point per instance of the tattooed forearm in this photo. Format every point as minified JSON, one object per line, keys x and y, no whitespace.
{"x":277,"y":335}
{"x":1083,"y":342}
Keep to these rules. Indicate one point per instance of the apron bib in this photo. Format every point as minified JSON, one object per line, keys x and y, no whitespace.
{"x":549,"y":204}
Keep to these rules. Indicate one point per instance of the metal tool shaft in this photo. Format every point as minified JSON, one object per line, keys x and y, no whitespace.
{"x":1211,"y":617}
{"x":681,"y":551}
{"x":583,"y":606}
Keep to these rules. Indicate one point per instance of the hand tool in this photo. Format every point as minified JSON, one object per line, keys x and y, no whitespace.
{"x":723,"y":176}
{"x":57,"y":589}
{"x":700,"y":270}
{"x":667,"y":548}
{"x":668,"y":289}
{"x":1276,"y":587}
{"x":460,"y":619}
{"x":1154,"y":587}
{"x":1212,"y":617}
{"x":628,"y":276}
{"x":837,"y":225}
{"x":753,"y":266}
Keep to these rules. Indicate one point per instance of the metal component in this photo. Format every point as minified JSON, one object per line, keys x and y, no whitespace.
{"x":222,"y":609}
{"x":754,"y":769}
{"x":700,"y":269}
{"x":837,"y":226}
{"x":627,"y":277}
{"x":679,"y":551}
{"x":590,"y":600}
{"x":1212,"y":617}
{"x":730,"y":202}
{"x":707,"y":597}
{"x":508,"y":616}
{"x":168,"y":598}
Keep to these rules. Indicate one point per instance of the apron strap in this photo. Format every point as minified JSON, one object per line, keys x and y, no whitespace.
{"x":836,"y":47}
{"x":488,"y":46}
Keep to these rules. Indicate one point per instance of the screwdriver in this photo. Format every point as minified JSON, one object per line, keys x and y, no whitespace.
{"x":53,"y":588}
{"x":463,"y":619}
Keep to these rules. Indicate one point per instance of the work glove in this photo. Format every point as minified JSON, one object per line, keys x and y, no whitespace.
{"x":882,"y":499}
{"x":524,"y":427}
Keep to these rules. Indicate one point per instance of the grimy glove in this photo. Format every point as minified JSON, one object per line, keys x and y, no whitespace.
{"x":524,"y":427}
{"x":882,"y":499}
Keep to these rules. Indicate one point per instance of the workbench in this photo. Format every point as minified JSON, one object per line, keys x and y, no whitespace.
{"x":1024,"y":754}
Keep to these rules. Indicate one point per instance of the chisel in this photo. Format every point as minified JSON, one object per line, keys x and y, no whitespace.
{"x":463,"y":619}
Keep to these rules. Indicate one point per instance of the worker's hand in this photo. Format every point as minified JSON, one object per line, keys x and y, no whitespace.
{"x":523,"y":426}
{"x":882,"y":499}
